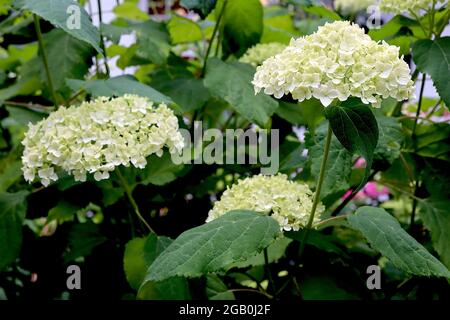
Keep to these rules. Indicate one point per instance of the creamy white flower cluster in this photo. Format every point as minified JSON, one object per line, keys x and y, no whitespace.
{"x":98,"y":136}
{"x":347,"y":7}
{"x":405,"y":6}
{"x":336,"y":62}
{"x":288,"y":202}
{"x":257,"y":54}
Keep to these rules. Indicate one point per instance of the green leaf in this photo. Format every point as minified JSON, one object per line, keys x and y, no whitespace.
{"x":153,"y":41}
{"x":356,"y":128}
{"x":184,"y":30}
{"x":386,"y":235}
{"x":242,"y":26}
{"x":70,"y":59}
{"x":10,"y":172}
{"x":390,"y":139}
{"x":212,"y":247}
{"x":232,"y":83}
{"x":322,"y":12}
{"x":321,"y":241}
{"x":160,"y":170}
{"x":187,"y":91}
{"x":278,"y":25}
{"x":83,"y":238}
{"x":216,"y":289}
{"x":274,"y":252}
{"x":134,"y":263}
{"x":339,"y":164}
{"x":58,"y":13}
{"x":433,"y":57}
{"x":392,"y":28}
{"x":13,"y":208}
{"x":139,"y":255}
{"x":63,"y":211}
{"x":436,"y":218}
{"x":432,"y":141}
{"x":202,"y":7}
{"x":130,"y":11}
{"x":118,"y":86}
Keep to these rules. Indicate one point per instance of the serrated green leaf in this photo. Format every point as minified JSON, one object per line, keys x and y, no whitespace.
{"x":118,"y":86}
{"x":436,"y":218}
{"x":139,"y":255}
{"x":274,"y":252}
{"x":13,"y":207}
{"x":433,"y":57}
{"x":58,"y":12}
{"x":232,"y":83}
{"x":212,"y":247}
{"x":356,"y":128}
{"x":386,"y":235}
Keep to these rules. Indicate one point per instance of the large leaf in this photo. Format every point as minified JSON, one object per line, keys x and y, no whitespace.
{"x":118,"y":86}
{"x":232,"y":83}
{"x":339,"y":164}
{"x":184,"y":30}
{"x":386,"y":235}
{"x":160,"y":170}
{"x":436,"y":217}
{"x":212,"y":247}
{"x":202,"y":7}
{"x":356,"y":128}
{"x":139,"y":255}
{"x":13,"y":207}
{"x":390,"y":139}
{"x":58,"y":13}
{"x":242,"y":26}
{"x":187,"y":91}
{"x":70,"y":59}
{"x":433,"y":57}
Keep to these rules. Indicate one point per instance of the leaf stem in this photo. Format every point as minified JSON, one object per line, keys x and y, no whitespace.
{"x":102,"y":41}
{"x":419,"y":105}
{"x":133,"y":203}
{"x":216,"y":28}
{"x":37,"y":26}
{"x":267,"y":269}
{"x":318,"y":189}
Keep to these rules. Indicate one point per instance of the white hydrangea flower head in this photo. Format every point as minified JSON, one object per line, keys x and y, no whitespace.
{"x":286,"y":201}
{"x":257,"y":54}
{"x":98,"y":136}
{"x":347,"y":7}
{"x":408,"y":6}
{"x":337,"y":61}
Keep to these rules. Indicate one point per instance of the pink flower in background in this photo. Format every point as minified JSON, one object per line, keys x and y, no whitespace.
{"x":360,"y":163}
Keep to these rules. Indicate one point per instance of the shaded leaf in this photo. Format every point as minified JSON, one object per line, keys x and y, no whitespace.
{"x":386,"y":235}
{"x":212,"y":247}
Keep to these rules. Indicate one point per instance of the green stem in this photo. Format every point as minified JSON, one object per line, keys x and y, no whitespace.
{"x":266,"y":267}
{"x":216,"y":28}
{"x":419,"y":105}
{"x":102,"y":41}
{"x":37,"y":26}
{"x":414,"y":138}
{"x":133,"y":203}
{"x":316,"y":200}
